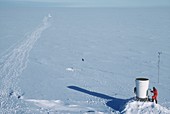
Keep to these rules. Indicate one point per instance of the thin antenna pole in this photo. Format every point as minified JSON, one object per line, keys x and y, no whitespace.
{"x":159,"y":59}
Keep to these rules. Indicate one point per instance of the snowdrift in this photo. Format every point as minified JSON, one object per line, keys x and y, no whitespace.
{"x":135,"y":107}
{"x":132,"y":107}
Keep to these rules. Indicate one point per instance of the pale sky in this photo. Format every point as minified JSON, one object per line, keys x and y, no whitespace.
{"x":102,"y":3}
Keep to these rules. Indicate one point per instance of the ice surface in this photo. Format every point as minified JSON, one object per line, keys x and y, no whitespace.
{"x":117,"y":45}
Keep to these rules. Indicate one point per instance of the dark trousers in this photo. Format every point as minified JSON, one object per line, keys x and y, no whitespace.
{"x":155,"y":100}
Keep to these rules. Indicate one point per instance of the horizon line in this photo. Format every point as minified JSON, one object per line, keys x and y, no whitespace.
{"x":70,"y":4}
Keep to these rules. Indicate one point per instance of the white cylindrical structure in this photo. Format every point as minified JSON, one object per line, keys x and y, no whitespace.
{"x":142,"y":85}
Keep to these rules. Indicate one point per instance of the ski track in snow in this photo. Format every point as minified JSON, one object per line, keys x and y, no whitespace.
{"x":12,"y":66}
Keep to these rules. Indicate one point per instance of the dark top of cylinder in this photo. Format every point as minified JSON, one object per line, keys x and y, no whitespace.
{"x":142,"y":79}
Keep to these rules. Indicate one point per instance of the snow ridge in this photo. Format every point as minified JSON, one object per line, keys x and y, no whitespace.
{"x":59,"y":107}
{"x":13,"y":64}
{"x":136,"y":107}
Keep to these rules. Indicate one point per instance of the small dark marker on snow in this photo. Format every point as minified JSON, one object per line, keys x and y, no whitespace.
{"x":82,"y":59}
{"x":19,"y":97}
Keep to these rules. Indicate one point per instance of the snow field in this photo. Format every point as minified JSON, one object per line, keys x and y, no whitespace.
{"x":117,"y":45}
{"x":13,"y":65}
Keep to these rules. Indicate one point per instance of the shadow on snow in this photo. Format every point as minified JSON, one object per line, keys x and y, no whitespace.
{"x":114,"y":103}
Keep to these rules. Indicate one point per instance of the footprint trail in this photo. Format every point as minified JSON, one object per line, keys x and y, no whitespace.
{"x":13,"y":64}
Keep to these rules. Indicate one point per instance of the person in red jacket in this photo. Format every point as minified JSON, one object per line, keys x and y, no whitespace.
{"x":155,"y":95}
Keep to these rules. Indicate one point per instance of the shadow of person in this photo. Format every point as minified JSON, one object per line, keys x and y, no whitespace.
{"x":114,"y":103}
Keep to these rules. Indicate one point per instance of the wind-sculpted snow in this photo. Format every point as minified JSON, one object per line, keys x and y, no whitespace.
{"x":59,"y":107}
{"x":11,"y":67}
{"x":135,"y":107}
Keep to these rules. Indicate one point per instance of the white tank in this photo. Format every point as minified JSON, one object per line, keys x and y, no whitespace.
{"x":142,"y":85}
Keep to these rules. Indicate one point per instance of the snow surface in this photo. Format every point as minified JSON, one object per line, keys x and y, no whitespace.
{"x":42,"y":51}
{"x":135,"y":107}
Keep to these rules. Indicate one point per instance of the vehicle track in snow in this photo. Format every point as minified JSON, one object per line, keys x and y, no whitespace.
{"x":13,"y":64}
